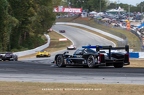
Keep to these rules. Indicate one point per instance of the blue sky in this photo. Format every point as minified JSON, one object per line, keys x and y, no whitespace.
{"x":132,"y":2}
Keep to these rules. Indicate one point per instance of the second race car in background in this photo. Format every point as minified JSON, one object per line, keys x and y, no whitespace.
{"x":71,"y":47}
{"x":43,"y":54}
{"x":94,"y":58}
{"x":8,"y":56}
{"x":62,"y":31}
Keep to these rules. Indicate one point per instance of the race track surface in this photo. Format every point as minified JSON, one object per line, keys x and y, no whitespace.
{"x":37,"y":72}
{"x":42,"y":70}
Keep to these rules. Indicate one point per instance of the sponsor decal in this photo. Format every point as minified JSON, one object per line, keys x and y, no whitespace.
{"x":71,"y":10}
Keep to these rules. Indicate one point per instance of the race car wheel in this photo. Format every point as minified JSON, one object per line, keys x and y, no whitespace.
{"x":15,"y":59}
{"x":60,"y":61}
{"x":91,"y":61}
{"x":118,"y":65}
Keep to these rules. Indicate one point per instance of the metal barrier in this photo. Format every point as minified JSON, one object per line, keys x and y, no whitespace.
{"x":32,"y":51}
{"x":132,"y":54}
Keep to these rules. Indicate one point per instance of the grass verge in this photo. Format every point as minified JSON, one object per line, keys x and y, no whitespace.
{"x":30,"y":88}
{"x":35,"y":88}
{"x":133,"y":41}
{"x":102,"y":35}
{"x":134,"y":62}
{"x":55,"y":44}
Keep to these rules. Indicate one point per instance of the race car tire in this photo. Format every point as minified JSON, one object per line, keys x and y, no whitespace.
{"x":85,"y":66}
{"x":15,"y":59}
{"x":91,"y":61}
{"x":60,"y":61}
{"x":118,"y":65}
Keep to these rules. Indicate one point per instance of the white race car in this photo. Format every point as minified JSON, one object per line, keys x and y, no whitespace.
{"x":71,"y":47}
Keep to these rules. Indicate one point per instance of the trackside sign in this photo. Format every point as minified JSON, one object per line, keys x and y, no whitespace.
{"x":71,"y":10}
{"x":63,"y":39}
{"x":74,"y":10}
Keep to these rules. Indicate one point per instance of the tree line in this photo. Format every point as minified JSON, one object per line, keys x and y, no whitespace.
{"x":22,"y":22}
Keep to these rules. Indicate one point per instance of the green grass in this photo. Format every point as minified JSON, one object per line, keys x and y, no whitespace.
{"x":55,"y":44}
{"x":133,"y":41}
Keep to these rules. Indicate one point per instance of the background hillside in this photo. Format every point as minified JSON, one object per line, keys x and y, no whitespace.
{"x":131,"y":39}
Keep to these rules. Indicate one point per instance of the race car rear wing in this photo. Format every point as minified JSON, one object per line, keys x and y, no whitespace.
{"x":98,"y":48}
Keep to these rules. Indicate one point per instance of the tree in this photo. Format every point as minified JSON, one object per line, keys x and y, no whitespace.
{"x":90,"y":5}
{"x":23,"y":21}
{"x":140,"y":7}
{"x":7,"y":23}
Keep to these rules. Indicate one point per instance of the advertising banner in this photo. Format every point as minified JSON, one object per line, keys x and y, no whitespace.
{"x":70,"y":10}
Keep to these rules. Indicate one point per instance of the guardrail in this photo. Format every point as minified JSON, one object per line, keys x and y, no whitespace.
{"x":32,"y":51}
{"x":132,"y":54}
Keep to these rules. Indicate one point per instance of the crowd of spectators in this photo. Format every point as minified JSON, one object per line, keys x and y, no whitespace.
{"x":115,"y":20}
{"x":119,"y":20}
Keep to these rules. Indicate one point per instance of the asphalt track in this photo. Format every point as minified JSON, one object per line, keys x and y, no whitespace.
{"x":42,"y":70}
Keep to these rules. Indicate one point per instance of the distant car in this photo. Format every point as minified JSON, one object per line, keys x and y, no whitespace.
{"x":62,"y":31}
{"x":8,"y":56}
{"x":43,"y":54}
{"x":1,"y":55}
{"x":71,"y":47}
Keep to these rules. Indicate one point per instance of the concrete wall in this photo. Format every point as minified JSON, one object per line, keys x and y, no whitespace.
{"x":132,"y":54}
{"x":32,"y":51}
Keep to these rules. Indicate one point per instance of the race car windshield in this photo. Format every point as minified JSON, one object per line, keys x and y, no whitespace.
{"x":79,"y":51}
{"x":89,"y":50}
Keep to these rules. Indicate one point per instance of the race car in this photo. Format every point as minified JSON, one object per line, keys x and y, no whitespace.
{"x":71,"y":47}
{"x":88,"y":57}
{"x":62,"y":31}
{"x":1,"y":55}
{"x":8,"y":56}
{"x":43,"y":54}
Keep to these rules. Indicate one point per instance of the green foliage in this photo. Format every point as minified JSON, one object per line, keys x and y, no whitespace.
{"x":88,"y":5}
{"x":22,"y":21}
{"x":138,"y":8}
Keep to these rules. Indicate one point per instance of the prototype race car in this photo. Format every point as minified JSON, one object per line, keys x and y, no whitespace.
{"x":43,"y":54}
{"x":88,"y":57}
{"x":71,"y":47}
{"x":8,"y":56}
{"x":62,"y":31}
